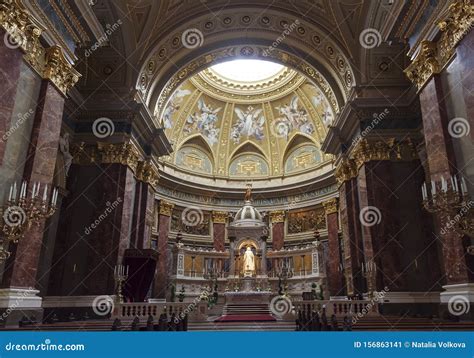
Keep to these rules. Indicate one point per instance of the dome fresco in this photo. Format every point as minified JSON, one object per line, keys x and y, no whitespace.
{"x":256,"y":129}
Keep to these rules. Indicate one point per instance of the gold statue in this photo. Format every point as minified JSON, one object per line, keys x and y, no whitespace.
{"x":248,"y":192}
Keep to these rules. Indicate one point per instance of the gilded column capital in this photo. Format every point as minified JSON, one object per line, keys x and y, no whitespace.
{"x":219,"y":217}
{"x":147,"y":173}
{"x":277,"y":216}
{"x":433,"y":56}
{"x":366,"y":151}
{"x":50,"y":63}
{"x":121,"y":153}
{"x":166,"y":208}
{"x":345,"y":170}
{"x":59,"y":71}
{"x":331,"y":206}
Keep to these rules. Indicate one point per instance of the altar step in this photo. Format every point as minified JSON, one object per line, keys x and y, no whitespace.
{"x":246,"y":309}
{"x":276,"y":326}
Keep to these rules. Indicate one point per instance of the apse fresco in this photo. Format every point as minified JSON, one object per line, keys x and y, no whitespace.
{"x":302,"y":158}
{"x":248,"y":165}
{"x":249,"y":124}
{"x":204,"y":121}
{"x":320,"y":102}
{"x":194,"y":159}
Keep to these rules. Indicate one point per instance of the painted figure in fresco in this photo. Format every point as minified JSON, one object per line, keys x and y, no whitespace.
{"x":173,"y":106}
{"x":293,"y":117}
{"x":204,"y":121}
{"x":249,"y":123}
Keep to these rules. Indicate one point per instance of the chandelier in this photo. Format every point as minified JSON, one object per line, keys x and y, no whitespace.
{"x":26,"y":205}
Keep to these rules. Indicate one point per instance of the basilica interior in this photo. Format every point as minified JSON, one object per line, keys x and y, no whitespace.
{"x":236,"y":165}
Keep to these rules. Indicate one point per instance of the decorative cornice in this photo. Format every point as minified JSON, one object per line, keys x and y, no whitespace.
{"x":122,"y":153}
{"x":166,"y":208}
{"x":147,"y":172}
{"x":331,"y":206}
{"x":433,"y":56}
{"x":277,"y":216}
{"x":346,"y":170}
{"x":50,"y":63}
{"x":219,"y":217}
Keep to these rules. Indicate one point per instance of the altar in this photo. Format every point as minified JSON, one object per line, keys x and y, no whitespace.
{"x":249,"y":297}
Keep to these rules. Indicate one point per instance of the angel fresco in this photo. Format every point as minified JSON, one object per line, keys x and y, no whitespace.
{"x":204,"y":121}
{"x":173,"y":105}
{"x":249,"y":123}
{"x":293,"y":117}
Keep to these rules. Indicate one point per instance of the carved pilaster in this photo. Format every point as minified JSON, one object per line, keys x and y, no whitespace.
{"x":166,"y":208}
{"x":59,"y":71}
{"x":433,"y":56}
{"x":219,"y":217}
{"x":331,"y":206}
{"x":277,"y":216}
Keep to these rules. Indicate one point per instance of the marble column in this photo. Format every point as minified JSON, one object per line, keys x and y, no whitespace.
{"x":142,"y":221}
{"x":10,"y":68}
{"x":22,"y":266}
{"x":162,"y":275}
{"x":218,"y":229}
{"x":277,"y":220}
{"x":335,"y":274}
{"x":350,"y":225}
{"x":442,"y":163}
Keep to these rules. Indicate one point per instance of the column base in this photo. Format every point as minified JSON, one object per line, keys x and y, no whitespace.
{"x":17,"y":303}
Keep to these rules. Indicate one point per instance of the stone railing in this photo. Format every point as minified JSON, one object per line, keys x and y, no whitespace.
{"x":339,"y":308}
{"x":128,"y":311}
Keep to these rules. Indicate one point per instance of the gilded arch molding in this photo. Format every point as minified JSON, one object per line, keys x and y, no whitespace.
{"x":305,"y":48}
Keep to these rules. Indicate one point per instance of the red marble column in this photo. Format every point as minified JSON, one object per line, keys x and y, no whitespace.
{"x":218,"y":229}
{"x":10,"y":68}
{"x":162,"y":274}
{"x":40,"y":163}
{"x":350,"y":225}
{"x":335,"y":275}
{"x":442,"y":163}
{"x":277,"y":219}
{"x":465,"y":57}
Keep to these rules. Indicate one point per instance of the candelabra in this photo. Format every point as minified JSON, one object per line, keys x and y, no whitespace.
{"x":450,"y":199}
{"x":23,"y":208}
{"x":120,"y":276}
{"x":369,"y":270}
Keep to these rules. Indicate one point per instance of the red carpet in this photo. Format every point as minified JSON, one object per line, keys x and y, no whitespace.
{"x":246,"y":318}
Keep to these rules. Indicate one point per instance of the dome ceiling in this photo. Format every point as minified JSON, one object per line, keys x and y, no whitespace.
{"x":222,"y":127}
